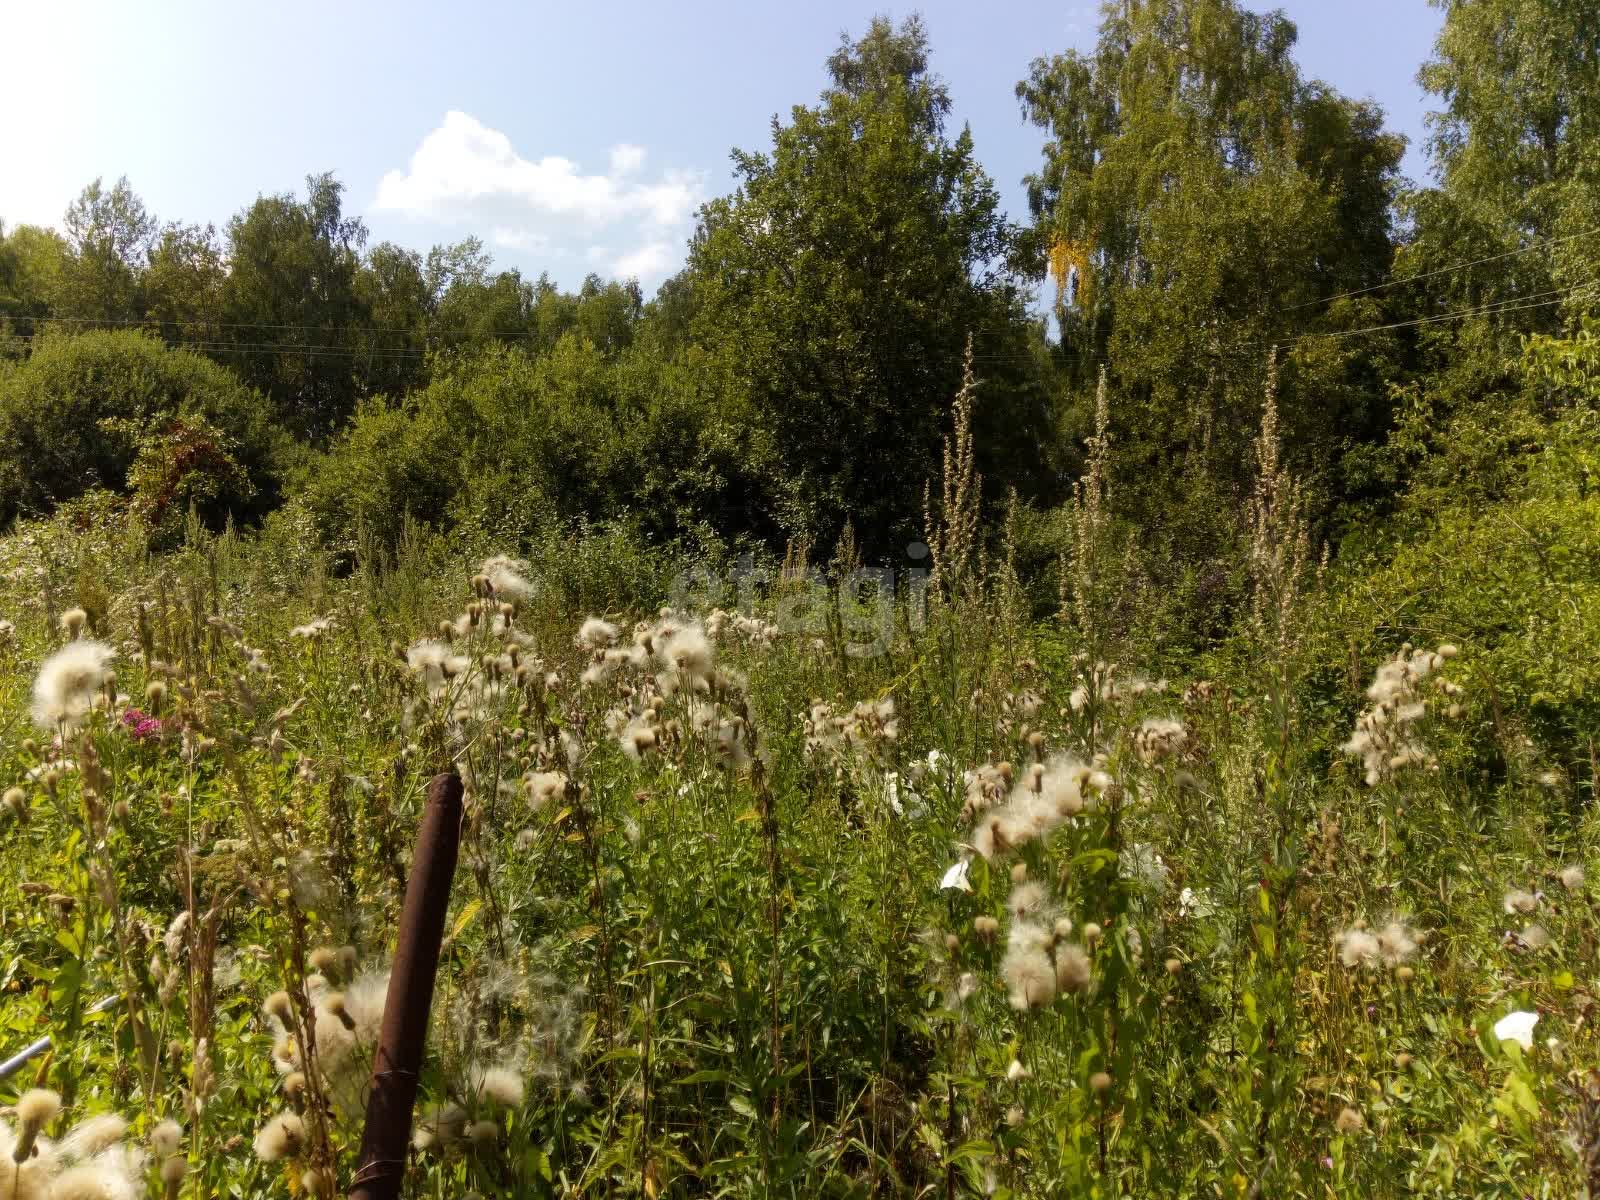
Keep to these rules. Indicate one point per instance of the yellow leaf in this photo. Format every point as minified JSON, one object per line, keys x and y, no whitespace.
{"x":464,"y":919}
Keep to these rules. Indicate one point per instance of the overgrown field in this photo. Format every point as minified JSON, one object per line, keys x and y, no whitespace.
{"x":750,"y":904}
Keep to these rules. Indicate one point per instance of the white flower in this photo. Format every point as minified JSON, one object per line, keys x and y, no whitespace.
{"x":1142,"y":865}
{"x":956,"y":877}
{"x":1516,"y":1027}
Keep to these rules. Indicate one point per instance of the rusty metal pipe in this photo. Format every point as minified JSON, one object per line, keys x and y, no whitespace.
{"x":397,"y":1063}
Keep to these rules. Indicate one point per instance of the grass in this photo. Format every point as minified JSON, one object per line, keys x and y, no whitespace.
{"x":718,"y":958}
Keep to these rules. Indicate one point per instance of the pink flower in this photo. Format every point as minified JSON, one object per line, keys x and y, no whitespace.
{"x":141,"y":725}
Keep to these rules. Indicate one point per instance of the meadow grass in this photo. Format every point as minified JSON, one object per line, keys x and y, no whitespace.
{"x":1002,"y":908}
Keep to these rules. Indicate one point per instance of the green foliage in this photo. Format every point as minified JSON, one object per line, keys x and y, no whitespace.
{"x":1204,"y":199}
{"x":514,"y":446}
{"x":290,"y":296}
{"x":182,"y":466}
{"x":1515,"y":143}
{"x":75,"y":413}
{"x":1497,"y":545}
{"x":839,"y":284}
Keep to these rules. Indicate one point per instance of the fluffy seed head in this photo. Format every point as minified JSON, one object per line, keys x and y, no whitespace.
{"x":1072,"y":969}
{"x":1396,"y":943}
{"x":1518,"y":901}
{"x":500,"y":1085}
{"x":281,"y":1137}
{"x":1358,"y":948}
{"x":1029,"y":974}
{"x":279,"y":1007}
{"x":38,"y":1107}
{"x":91,"y":1136}
{"x":596,"y":634}
{"x":165,"y":1138}
{"x":65,"y":690}
{"x":73,"y":621}
{"x":1572,"y":878}
{"x":1349,"y":1121}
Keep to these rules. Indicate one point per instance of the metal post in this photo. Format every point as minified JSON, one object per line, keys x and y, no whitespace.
{"x":398,"y":1058}
{"x":23,"y":1057}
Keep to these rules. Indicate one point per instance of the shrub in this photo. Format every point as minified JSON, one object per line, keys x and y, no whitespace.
{"x":73,"y":415}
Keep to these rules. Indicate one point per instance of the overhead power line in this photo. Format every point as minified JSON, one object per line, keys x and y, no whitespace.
{"x":1445,"y":270}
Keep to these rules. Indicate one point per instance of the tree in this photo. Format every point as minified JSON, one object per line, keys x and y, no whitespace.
{"x":184,"y":284}
{"x":465,"y":262}
{"x":395,"y":301}
{"x":1199,"y":202}
{"x":33,"y":262}
{"x":1501,"y":248}
{"x":110,"y":234}
{"x":839,"y":283}
{"x":1516,"y":145}
{"x":292,"y":305}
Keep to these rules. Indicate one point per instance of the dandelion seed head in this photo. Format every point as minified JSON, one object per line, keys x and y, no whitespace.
{"x":1028,"y":972}
{"x":441,"y":1126}
{"x":1160,"y":738}
{"x":110,"y":1178}
{"x":165,"y":1138}
{"x":313,"y":630}
{"x":1027,"y":901}
{"x":504,"y":578}
{"x":596,"y":634}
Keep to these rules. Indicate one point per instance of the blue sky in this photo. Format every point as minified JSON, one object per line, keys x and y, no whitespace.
{"x":570,"y":137}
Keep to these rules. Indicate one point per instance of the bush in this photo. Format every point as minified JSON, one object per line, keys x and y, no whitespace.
{"x":74,"y":414}
{"x":1499,"y":547}
{"x":515,"y":449}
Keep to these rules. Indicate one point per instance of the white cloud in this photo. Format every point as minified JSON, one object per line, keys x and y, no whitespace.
{"x":518,"y":239}
{"x":626,"y":157}
{"x":647,"y":262}
{"x":464,"y":173}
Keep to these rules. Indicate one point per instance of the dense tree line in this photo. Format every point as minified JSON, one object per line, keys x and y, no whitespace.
{"x":1198,"y":204}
